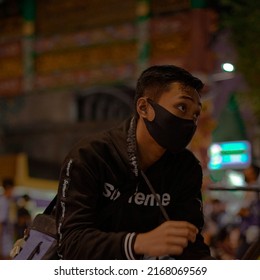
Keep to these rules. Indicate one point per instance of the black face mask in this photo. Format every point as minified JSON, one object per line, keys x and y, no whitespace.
{"x":169,"y":131}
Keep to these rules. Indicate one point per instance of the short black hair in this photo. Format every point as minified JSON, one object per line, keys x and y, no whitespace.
{"x":155,"y":80}
{"x":256,"y":169}
{"x":8,"y":183}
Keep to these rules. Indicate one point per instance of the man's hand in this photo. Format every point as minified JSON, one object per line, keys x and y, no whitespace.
{"x":170,"y":238}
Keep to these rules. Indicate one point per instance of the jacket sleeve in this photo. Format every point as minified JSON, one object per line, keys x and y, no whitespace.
{"x":76,"y":212}
{"x":198,"y":249}
{"x":190,"y":209}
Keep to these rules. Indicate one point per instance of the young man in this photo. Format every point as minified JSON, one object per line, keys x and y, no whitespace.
{"x":8,"y":212}
{"x":105,"y":208}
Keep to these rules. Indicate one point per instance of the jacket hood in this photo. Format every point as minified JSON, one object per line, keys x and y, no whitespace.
{"x":125,"y":144}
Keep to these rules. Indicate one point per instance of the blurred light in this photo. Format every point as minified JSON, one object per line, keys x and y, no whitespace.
{"x":236,"y":179}
{"x":228,"y":67}
{"x":226,"y":155}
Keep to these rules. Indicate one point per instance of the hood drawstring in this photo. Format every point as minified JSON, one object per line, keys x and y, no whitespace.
{"x":131,"y":147}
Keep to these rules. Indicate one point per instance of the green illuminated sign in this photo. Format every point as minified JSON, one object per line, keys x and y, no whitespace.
{"x":229,"y":155}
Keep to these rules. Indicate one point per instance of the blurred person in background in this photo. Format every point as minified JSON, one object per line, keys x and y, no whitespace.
{"x":8,"y":218}
{"x":24,"y":216}
{"x":216,"y":217}
{"x":106,"y":208}
{"x":250,"y":211}
{"x":225,"y":243}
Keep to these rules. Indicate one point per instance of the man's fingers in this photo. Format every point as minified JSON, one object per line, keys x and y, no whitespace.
{"x":171,"y":237}
{"x":182,"y":232}
{"x":180,"y":241}
{"x":182,"y":229}
{"x":183,"y":224}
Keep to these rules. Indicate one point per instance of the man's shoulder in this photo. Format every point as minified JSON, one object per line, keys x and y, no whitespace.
{"x":186,"y":161}
{"x":188,"y":155}
{"x":99,"y":143}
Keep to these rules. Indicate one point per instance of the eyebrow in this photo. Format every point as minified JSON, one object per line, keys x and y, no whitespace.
{"x":190,"y":98}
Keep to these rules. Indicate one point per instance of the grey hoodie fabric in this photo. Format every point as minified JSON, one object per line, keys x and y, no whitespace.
{"x":103,"y":201}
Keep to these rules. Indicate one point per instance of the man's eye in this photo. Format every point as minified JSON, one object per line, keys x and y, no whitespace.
{"x":196,"y":115}
{"x":182,"y":108}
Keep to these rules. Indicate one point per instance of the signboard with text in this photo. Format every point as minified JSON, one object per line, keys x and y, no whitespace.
{"x":229,"y":155}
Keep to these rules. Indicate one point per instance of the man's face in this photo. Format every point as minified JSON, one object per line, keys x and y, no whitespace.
{"x":183,"y":102}
{"x":250,"y":175}
{"x":171,"y":120}
{"x":9,"y":191}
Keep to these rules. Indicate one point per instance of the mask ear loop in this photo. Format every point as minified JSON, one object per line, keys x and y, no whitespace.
{"x":164,"y":213}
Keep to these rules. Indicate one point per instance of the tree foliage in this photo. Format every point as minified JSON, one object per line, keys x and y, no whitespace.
{"x":242,"y":17}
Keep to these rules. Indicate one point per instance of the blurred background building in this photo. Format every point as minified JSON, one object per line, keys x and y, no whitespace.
{"x":68,"y":68}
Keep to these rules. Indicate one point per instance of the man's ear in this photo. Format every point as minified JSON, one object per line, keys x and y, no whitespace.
{"x":141,"y":107}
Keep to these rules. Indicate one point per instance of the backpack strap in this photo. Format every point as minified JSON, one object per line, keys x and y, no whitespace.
{"x":163,"y":211}
{"x":48,"y":210}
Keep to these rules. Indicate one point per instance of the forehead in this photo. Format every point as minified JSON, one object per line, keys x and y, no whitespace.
{"x":177,"y":91}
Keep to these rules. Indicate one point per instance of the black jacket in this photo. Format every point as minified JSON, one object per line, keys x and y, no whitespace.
{"x":103,"y":200}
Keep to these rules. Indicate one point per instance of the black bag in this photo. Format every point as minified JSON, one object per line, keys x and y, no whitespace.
{"x":40,"y":240}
